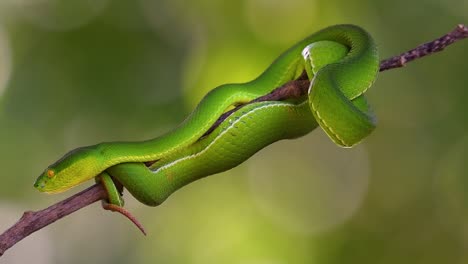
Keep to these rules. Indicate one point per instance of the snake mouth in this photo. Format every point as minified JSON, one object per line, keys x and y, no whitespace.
{"x":39,"y":186}
{"x":40,"y":183}
{"x":42,"y":188}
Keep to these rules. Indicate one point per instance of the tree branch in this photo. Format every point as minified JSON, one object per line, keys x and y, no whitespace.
{"x":459,"y":33}
{"x":30,"y":222}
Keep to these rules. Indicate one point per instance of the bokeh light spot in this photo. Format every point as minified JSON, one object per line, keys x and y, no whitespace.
{"x":56,"y":15}
{"x":162,"y":16}
{"x":5,"y":61}
{"x":208,"y":67}
{"x":278,"y":21}
{"x":309,"y":185}
{"x":225,"y":226}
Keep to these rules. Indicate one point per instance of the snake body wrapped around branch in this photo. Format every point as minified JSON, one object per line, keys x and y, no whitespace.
{"x":341,"y":63}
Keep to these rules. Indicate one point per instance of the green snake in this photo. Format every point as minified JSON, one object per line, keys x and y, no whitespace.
{"x":341,"y":63}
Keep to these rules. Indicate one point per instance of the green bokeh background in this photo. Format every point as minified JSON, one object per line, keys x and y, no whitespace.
{"x":75,"y":73}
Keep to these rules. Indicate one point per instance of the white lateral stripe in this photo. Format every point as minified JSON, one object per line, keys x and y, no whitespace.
{"x":221,"y":134}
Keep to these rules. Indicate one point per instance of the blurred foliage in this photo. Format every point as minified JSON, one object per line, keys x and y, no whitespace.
{"x":75,"y":73}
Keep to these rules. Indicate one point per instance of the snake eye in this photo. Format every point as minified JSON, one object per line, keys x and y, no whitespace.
{"x":50,"y":173}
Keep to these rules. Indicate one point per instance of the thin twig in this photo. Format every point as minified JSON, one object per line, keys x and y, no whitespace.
{"x":459,"y":33}
{"x":30,"y":222}
{"x":33,"y":221}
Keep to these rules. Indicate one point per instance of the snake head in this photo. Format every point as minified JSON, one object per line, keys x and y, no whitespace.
{"x":73,"y":168}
